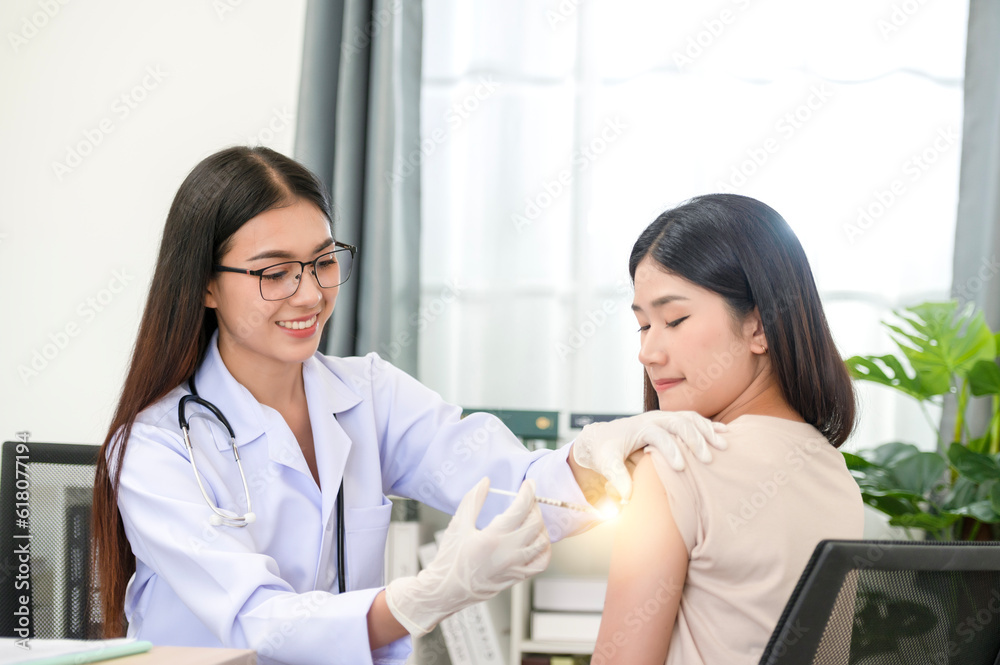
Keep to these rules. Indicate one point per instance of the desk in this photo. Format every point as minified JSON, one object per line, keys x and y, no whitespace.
{"x":189,"y":656}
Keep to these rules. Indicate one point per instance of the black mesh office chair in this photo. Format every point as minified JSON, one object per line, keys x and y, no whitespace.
{"x":47,"y":579}
{"x":893,"y":603}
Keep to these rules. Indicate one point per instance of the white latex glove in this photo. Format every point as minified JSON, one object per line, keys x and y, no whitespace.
{"x":473,"y":565}
{"x":604,"y":447}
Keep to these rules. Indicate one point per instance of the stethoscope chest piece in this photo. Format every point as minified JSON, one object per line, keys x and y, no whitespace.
{"x":220,"y":517}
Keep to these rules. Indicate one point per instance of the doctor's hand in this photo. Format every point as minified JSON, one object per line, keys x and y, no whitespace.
{"x":473,"y":565}
{"x":604,"y":447}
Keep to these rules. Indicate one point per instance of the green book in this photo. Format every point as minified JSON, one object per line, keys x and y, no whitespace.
{"x":526,"y":424}
{"x":70,"y":652}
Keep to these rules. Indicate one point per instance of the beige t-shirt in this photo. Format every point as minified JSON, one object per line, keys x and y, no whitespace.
{"x":751,"y":520}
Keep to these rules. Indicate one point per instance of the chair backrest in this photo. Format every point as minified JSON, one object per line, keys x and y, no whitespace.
{"x":47,"y":583}
{"x":932,"y":603}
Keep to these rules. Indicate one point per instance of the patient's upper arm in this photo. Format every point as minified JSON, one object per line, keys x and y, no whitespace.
{"x":648,"y":566}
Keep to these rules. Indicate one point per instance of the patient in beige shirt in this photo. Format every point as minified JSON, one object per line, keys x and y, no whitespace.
{"x":731,"y":328}
{"x":750,"y":522}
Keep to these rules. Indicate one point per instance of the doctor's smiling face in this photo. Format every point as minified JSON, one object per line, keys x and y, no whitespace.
{"x":257,"y":334}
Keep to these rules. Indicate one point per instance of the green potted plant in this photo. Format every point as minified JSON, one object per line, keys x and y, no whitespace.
{"x":954,"y":492}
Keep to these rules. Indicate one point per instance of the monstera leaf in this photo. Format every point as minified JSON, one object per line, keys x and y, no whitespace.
{"x":888,"y":371}
{"x":984,"y":378}
{"x":955,"y":493}
{"x":943,"y":341}
{"x":977,"y":467}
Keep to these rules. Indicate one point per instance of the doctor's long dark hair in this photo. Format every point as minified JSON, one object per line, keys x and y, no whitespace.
{"x":221,"y":194}
{"x":745,"y":251}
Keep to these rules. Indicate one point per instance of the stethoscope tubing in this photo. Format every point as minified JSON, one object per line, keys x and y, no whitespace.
{"x":221,"y":518}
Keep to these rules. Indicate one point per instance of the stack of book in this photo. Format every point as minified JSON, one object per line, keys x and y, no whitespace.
{"x":567,"y":609}
{"x":542,"y":659}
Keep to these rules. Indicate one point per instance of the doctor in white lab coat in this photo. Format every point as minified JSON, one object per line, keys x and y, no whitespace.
{"x":224,"y":316}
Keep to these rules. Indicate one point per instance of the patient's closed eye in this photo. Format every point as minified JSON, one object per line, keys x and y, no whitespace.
{"x":669,"y":324}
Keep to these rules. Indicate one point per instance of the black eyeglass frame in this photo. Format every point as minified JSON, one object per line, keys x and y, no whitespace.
{"x":259,"y":274}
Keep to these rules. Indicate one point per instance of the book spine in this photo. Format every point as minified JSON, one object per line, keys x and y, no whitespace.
{"x":455,"y":639}
{"x":456,"y":636}
{"x":478,"y":624}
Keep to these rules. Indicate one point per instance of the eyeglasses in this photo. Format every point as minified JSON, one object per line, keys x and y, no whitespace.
{"x":282,"y":280}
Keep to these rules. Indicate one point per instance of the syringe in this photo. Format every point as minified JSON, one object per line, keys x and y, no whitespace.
{"x":552,"y":502}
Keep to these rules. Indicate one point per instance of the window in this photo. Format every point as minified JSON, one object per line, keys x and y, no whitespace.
{"x":554,"y":133}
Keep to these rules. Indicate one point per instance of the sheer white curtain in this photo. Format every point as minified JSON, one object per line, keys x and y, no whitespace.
{"x":554,"y":132}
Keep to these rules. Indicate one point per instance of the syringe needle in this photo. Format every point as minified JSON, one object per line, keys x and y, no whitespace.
{"x":551,"y":502}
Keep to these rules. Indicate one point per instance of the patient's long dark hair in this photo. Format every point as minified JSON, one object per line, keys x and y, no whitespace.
{"x":743,"y":250}
{"x":218,"y":197}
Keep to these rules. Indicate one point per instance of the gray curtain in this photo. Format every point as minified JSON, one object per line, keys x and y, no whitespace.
{"x":977,"y":235}
{"x":358,"y":123}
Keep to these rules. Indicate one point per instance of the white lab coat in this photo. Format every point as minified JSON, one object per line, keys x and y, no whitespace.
{"x":272,"y":586}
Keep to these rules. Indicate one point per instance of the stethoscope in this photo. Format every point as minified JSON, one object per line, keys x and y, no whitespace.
{"x":224,"y":518}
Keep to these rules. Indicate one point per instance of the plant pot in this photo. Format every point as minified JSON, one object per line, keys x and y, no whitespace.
{"x":966,"y":525}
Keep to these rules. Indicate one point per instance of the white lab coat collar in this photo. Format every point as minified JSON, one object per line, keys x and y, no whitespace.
{"x":327,"y":396}
{"x":250,"y":420}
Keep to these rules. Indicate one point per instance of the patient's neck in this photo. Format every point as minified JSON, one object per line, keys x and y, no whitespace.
{"x":763,"y":397}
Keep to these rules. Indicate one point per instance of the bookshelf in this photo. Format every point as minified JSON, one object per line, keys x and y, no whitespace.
{"x":586,"y":555}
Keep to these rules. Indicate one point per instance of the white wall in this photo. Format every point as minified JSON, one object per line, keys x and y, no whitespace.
{"x":105,"y":107}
